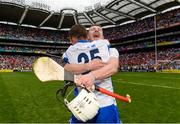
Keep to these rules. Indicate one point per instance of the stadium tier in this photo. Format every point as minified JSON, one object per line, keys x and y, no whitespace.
{"x":134,"y":41}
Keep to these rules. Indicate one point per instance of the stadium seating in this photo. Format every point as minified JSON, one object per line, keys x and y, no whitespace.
{"x":129,"y":60}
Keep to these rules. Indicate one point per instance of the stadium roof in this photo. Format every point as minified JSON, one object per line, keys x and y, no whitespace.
{"x":107,"y":13}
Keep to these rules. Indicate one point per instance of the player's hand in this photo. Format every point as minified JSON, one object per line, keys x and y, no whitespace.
{"x":86,"y":81}
{"x":95,"y":64}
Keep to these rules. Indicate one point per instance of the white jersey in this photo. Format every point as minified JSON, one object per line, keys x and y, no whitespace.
{"x":83,"y":52}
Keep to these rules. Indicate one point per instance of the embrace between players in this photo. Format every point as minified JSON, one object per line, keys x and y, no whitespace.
{"x":91,"y":56}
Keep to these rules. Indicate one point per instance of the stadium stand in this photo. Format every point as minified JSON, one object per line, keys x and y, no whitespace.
{"x":137,"y":45}
{"x":163,"y":20}
{"x":145,"y":61}
{"x":19,"y":62}
{"x":32,"y":34}
{"x":20,"y":46}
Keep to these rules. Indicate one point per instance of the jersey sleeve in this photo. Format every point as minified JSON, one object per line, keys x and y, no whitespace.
{"x":114,"y":52}
{"x":106,"y":41}
{"x":102,"y":42}
{"x":65,"y":59}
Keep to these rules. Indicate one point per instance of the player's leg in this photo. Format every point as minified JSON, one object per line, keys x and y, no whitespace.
{"x":109,"y":114}
{"x":75,"y":120}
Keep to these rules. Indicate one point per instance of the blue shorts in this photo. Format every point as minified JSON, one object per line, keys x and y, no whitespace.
{"x":109,"y":114}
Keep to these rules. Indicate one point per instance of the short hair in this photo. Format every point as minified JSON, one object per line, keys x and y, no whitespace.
{"x":78,"y":31}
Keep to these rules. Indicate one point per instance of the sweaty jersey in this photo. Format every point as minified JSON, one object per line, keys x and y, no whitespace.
{"x":85,"y":51}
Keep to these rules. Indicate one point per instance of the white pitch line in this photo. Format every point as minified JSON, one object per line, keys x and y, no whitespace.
{"x":149,"y":85}
{"x":154,"y":77}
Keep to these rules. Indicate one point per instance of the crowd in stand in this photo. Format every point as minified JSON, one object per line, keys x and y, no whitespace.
{"x":19,"y":62}
{"x":130,"y":29}
{"x":146,"y":60}
{"x":168,"y":18}
{"x":16,"y":62}
{"x":131,"y":46}
{"x":31,"y":49}
{"x":33,"y":34}
{"x":128,"y":61}
{"x":145,"y":44}
{"x":163,"y":20}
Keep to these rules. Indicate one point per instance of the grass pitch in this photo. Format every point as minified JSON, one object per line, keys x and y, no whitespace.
{"x":155,"y":98}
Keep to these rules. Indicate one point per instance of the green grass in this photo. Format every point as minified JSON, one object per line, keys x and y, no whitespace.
{"x":155,"y":98}
{"x":151,"y":100}
{"x":24,"y":99}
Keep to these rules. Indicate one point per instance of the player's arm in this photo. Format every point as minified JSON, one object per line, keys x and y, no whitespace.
{"x":81,"y":68}
{"x":102,"y":73}
{"x":110,"y":69}
{"x":76,"y":68}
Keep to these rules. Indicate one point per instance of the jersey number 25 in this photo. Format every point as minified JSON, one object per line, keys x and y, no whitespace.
{"x":93,"y":55}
